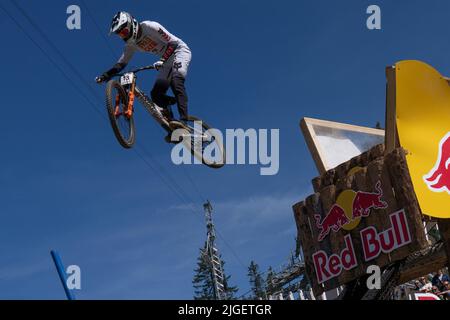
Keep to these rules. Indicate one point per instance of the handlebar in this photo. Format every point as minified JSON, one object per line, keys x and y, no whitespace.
{"x":136,"y":70}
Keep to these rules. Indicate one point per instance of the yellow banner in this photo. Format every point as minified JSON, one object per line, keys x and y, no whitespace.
{"x":423,"y":122}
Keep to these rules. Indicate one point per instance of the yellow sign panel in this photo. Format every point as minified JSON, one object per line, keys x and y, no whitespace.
{"x":423,"y":123}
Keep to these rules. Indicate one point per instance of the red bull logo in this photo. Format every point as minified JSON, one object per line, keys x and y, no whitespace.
{"x":438,"y":179}
{"x":350,"y":207}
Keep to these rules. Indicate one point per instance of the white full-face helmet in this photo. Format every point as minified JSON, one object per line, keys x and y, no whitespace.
{"x":124,"y":25}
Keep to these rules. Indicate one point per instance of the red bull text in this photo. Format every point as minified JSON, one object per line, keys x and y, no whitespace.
{"x":396,"y":236}
{"x":373,"y":244}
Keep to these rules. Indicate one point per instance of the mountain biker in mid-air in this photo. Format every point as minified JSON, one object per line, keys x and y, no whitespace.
{"x":175,"y":57}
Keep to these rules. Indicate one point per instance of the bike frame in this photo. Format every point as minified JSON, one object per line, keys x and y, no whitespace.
{"x":135,"y":92}
{"x":152,"y":108}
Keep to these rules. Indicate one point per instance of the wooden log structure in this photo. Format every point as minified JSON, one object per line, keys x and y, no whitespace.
{"x":361,"y":174}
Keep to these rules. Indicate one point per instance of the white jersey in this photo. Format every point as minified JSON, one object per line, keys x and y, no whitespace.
{"x":154,"y":39}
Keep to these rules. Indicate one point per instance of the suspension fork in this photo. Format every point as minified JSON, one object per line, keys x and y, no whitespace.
{"x":117,"y":108}
{"x":129,"y":111}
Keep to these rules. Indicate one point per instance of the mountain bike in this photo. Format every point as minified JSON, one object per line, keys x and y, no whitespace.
{"x":120,"y":97}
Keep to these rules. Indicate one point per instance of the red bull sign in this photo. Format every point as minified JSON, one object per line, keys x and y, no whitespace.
{"x":366,"y":214}
{"x":373,"y":242}
{"x":422,"y":104}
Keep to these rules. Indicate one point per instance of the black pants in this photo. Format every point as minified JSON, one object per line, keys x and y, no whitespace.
{"x":176,"y":83}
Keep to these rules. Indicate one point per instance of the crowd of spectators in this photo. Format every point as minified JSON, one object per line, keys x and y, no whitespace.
{"x":436,"y":283}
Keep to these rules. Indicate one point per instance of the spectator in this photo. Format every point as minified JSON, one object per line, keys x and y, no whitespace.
{"x":439,"y":279}
{"x":417,"y":285}
{"x":423,"y":285}
{"x":435,"y":291}
{"x":446,"y":292}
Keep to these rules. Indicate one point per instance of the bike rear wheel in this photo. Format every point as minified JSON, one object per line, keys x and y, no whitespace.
{"x":117,"y":105}
{"x":201,"y":139}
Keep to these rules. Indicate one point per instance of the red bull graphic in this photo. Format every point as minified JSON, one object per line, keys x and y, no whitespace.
{"x":365,"y":201}
{"x":334,"y":220}
{"x":438,"y":179}
{"x":361,"y":206}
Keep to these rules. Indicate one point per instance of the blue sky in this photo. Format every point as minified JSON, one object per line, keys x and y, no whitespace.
{"x":67,"y":185}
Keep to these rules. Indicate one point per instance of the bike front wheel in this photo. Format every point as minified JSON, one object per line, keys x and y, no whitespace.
{"x":117,"y":105}
{"x":204,"y":145}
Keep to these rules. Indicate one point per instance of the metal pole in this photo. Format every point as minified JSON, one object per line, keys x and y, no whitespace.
{"x":213,"y":255}
{"x":62,"y":274}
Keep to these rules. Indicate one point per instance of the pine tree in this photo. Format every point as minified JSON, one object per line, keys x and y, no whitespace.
{"x":230,"y":291}
{"x":256,"y":281}
{"x":269,"y":281}
{"x":204,"y":279}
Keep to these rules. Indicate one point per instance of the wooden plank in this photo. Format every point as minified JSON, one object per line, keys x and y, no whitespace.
{"x":297,"y":212}
{"x":379,"y":171}
{"x":329,"y":178}
{"x":421,"y":264}
{"x":391,"y":116}
{"x":356,"y":182}
{"x":405,"y":195}
{"x":342,"y":170}
{"x":317,"y":184}
{"x":379,"y":217}
{"x":377,"y":152}
{"x":334,"y":241}
{"x":309,"y":235}
{"x":306,"y":234}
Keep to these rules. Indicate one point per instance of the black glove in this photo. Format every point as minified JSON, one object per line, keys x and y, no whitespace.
{"x":103,"y":78}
